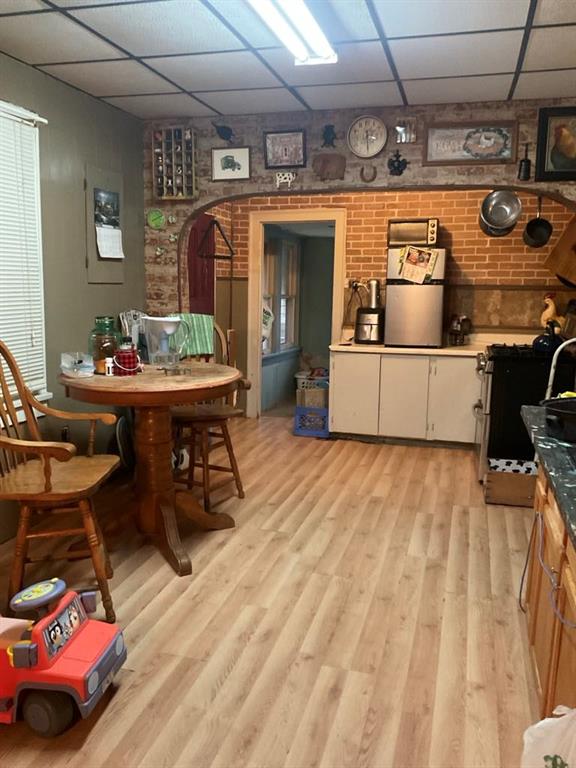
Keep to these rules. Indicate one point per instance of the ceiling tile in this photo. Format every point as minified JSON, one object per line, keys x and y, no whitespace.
{"x":546,"y":85}
{"x":457,"y":89}
{"x":212,"y":71}
{"x":19,"y":6}
{"x":343,"y":19}
{"x":357,"y":95}
{"x":555,"y":12}
{"x":492,"y":52}
{"x":111,"y":78}
{"x":357,"y":62}
{"x":551,"y":48}
{"x":252,"y":102}
{"x":171,"y":105}
{"x":246,"y":21}
{"x":157,"y":28}
{"x":40,"y":38}
{"x":430,"y":17}
{"x":74,"y":3}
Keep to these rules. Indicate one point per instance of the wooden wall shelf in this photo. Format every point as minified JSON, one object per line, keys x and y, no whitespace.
{"x":174,"y":162}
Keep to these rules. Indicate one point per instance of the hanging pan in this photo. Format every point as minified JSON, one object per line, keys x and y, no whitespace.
{"x":537,"y":231}
{"x":499,"y":212}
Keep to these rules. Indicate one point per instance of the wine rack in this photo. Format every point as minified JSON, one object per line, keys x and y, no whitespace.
{"x":173,"y":161}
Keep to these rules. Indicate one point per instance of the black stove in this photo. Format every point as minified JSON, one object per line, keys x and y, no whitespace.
{"x":519,"y":377}
{"x":514,"y":351}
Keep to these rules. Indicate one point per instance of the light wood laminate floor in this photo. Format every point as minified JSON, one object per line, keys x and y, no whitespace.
{"x":362,"y":613}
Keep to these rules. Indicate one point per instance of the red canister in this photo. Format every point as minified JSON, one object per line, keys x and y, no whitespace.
{"x":126,"y":360}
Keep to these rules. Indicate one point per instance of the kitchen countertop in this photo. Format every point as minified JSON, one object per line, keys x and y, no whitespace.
{"x":556,"y":461}
{"x":467,"y":350}
{"x":477,"y":343}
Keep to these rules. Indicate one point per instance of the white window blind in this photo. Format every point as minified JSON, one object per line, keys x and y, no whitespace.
{"x":21,"y":281}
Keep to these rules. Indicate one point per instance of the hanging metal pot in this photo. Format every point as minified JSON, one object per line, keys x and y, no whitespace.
{"x":499,"y":212}
{"x":537,"y":231}
{"x":493,"y":231}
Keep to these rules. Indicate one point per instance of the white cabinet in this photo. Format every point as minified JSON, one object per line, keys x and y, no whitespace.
{"x":417,"y":396}
{"x":453,"y":390}
{"x":403,"y":395}
{"x":354,"y":393}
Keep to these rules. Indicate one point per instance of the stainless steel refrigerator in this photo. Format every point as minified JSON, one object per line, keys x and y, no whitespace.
{"x":414,"y":311}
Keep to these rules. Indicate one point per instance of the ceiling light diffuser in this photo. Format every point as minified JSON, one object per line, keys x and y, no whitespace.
{"x":294,"y":25}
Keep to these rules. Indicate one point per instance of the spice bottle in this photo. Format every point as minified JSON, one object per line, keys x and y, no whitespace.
{"x":104,"y":341}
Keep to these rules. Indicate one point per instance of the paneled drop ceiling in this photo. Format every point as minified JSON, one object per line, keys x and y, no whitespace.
{"x":165,"y":58}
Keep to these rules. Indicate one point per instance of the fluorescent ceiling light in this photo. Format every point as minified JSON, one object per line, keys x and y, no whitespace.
{"x":297,"y":29}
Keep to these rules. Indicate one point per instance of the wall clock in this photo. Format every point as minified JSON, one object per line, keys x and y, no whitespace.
{"x":155,"y":218}
{"x":367,"y":136}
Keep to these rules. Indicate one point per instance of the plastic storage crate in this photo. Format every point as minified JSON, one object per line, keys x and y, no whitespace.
{"x":311,"y":422}
{"x":304,"y":381}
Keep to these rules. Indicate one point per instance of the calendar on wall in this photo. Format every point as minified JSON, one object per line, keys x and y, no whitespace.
{"x":173,"y":162}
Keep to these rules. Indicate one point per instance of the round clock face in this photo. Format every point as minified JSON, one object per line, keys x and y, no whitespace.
{"x":367,"y":136}
{"x":155,"y":219}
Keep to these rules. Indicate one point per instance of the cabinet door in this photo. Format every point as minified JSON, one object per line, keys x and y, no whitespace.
{"x":354,"y":392}
{"x":563,"y":672}
{"x":549,"y":542}
{"x":403,"y":395}
{"x":453,"y":392}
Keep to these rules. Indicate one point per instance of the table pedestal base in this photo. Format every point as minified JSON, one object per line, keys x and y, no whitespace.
{"x":157,"y":499}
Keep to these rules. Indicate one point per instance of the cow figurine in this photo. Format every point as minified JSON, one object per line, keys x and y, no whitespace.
{"x":285,"y":179}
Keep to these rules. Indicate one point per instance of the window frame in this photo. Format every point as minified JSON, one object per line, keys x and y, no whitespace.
{"x":281,"y":283}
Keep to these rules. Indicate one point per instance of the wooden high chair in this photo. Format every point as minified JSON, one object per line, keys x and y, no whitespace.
{"x":204,"y":427}
{"x":48,"y":477}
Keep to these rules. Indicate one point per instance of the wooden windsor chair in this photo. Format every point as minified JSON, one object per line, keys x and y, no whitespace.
{"x":204,"y":427}
{"x":49,"y":477}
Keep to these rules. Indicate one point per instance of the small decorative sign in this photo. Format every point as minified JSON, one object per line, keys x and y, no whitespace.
{"x":470,"y":143}
{"x":285,"y":149}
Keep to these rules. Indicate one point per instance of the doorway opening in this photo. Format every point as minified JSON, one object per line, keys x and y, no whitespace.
{"x":297,"y":288}
{"x":292,"y":323}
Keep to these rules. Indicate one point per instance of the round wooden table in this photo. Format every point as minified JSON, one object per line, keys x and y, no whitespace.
{"x":151,"y":394}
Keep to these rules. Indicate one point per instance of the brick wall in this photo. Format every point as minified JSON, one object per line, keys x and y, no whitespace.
{"x":475,"y":259}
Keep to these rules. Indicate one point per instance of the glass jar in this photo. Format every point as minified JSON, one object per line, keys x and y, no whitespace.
{"x":104,"y":341}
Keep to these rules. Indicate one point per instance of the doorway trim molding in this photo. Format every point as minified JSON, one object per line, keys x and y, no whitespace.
{"x":257,"y":220}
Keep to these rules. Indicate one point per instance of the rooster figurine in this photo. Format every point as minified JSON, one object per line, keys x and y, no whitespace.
{"x":550,"y":314}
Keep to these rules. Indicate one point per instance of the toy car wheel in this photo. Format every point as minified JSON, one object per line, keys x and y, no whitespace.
{"x":48,"y":713}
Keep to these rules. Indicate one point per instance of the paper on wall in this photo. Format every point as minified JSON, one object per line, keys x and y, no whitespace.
{"x":417,"y":264}
{"x":109,"y":241}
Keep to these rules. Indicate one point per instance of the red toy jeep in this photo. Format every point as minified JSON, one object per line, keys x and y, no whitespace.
{"x":59,"y":666}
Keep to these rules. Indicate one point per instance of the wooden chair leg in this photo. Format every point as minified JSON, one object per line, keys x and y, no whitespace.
{"x":107,"y":563}
{"x":20,"y":551}
{"x":232,"y":458}
{"x":98,"y":558}
{"x":206,"y":467}
{"x":191,"y":458}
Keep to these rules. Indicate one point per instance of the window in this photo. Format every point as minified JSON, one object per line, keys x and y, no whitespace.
{"x":280,"y":270}
{"x":21,"y":281}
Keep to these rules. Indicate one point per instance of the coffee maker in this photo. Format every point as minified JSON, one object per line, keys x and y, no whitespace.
{"x":369,"y":327}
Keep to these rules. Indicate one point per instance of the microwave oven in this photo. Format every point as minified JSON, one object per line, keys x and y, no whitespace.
{"x":412,"y":232}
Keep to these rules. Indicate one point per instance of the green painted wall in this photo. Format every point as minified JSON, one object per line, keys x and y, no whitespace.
{"x":316,"y":276}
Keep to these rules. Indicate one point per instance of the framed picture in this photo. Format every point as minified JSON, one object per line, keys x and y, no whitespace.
{"x":556,"y":144}
{"x":477,"y":143}
{"x":284,"y":149}
{"x":231,"y":163}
